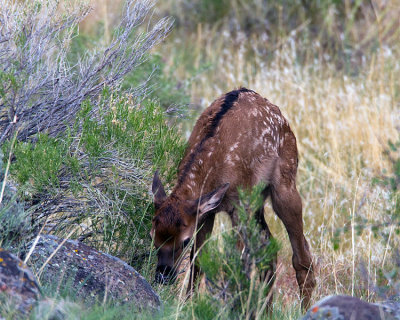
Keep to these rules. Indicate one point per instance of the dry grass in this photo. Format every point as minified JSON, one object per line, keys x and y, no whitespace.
{"x":103,"y":12}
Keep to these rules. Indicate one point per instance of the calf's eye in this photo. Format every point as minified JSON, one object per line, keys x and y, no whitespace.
{"x":185,"y":242}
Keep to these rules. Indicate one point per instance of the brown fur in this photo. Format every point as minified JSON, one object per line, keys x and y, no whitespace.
{"x":240,"y":140}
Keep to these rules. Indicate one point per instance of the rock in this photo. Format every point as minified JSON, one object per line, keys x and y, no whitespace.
{"x":91,"y":275}
{"x":57,"y":309}
{"x":18,"y":287}
{"x":349,"y":308}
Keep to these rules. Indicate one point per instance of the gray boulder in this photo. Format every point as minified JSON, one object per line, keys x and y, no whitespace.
{"x":19,"y":290}
{"x":90,"y":275}
{"x":343,"y":307}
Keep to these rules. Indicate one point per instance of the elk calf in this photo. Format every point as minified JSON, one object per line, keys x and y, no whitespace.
{"x":240,"y":140}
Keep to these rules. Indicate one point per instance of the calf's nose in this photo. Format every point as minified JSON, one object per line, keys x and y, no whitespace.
{"x":165,"y":274}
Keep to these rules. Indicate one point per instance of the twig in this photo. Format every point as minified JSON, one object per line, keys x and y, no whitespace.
{"x":54,"y":252}
{"x":7,"y":169}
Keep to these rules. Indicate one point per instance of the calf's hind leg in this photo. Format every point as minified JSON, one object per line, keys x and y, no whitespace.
{"x":286,"y":203}
{"x":260,"y":218}
{"x":268,"y":275}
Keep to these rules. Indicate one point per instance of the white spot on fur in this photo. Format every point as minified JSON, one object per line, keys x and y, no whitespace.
{"x":191,"y":175}
{"x":228,"y":160}
{"x":200,"y":162}
{"x":209,"y":154}
{"x":266,"y":131}
{"x":234,"y":146}
{"x":278,"y":117}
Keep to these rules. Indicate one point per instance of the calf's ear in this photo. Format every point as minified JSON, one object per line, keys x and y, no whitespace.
{"x":158,"y":191}
{"x":211,"y":200}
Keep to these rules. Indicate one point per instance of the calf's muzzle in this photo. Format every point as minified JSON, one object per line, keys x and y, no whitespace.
{"x":165,"y":274}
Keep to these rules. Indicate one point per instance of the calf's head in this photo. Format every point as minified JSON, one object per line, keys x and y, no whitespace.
{"x":174,"y":224}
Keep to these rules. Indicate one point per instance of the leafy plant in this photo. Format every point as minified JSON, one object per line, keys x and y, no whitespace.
{"x":240,"y":278}
{"x":39,"y":163}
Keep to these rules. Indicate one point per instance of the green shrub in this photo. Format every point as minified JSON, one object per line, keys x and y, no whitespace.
{"x":236,"y":277}
{"x":38,"y":164}
{"x":99,"y":174}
